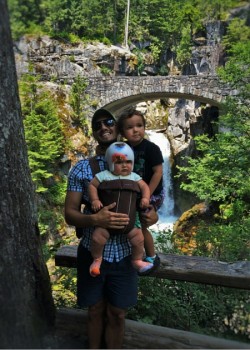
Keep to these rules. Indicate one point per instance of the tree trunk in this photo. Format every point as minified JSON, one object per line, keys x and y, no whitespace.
{"x":27,"y":308}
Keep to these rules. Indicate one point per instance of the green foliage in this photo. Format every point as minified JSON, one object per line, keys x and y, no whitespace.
{"x":73,"y":38}
{"x":217,"y":9}
{"x":79,"y":100}
{"x":106,"y":41}
{"x":50,"y":220}
{"x":139,"y":21}
{"x":26,"y":17}
{"x":50,"y":216}
{"x":44,"y":141}
{"x":160,"y":23}
{"x":140,"y":63}
{"x":226,"y":240}
{"x":106,"y":70}
{"x":63,"y":280}
{"x":156,"y":47}
{"x":183,"y":51}
{"x":56,"y":194}
{"x":190,"y":21}
{"x":64,"y":287}
{"x":191,"y":307}
{"x":237,"y":68}
{"x":43,"y":138}
{"x":63,"y":17}
{"x":220,"y":174}
{"x":43,"y":131}
{"x":237,"y":31}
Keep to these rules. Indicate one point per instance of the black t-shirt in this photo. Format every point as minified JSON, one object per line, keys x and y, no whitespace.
{"x":147,"y":155}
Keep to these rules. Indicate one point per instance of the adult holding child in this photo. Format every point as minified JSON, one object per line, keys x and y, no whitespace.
{"x":109,"y":295}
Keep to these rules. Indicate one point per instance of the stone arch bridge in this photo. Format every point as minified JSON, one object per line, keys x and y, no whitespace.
{"x":114,"y":93}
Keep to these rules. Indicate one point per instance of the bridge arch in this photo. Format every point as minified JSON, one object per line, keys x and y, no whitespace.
{"x":114,"y":93}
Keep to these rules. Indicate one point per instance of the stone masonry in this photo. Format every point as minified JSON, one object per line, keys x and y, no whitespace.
{"x":114,"y":93}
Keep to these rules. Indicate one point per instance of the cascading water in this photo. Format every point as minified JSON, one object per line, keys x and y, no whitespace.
{"x":166,"y":212}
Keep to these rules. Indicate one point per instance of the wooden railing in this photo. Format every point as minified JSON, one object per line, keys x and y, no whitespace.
{"x":175,"y":267}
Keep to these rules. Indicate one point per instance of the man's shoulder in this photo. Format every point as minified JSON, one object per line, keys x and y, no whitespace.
{"x":88,"y":160}
{"x":80,"y":164}
{"x":88,"y":166}
{"x":80,"y":170}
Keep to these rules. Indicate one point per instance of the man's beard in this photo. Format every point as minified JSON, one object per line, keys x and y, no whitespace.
{"x":101,"y":148}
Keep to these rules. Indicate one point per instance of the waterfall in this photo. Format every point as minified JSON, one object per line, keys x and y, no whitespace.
{"x":166,"y":212}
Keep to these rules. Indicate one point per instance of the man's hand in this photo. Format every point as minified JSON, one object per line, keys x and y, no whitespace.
{"x":148,"y":217}
{"x":110,"y":220}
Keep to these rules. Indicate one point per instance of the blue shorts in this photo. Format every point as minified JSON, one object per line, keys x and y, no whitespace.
{"x":117,"y":283}
{"x":157,"y":200}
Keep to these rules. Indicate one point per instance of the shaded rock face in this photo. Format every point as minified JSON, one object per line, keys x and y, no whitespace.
{"x":53,"y":59}
{"x":187,"y":119}
{"x":207,"y":54}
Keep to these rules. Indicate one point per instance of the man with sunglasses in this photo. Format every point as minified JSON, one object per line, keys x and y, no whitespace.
{"x":109,"y":295}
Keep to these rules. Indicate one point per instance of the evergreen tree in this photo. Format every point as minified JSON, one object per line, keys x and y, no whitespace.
{"x":43,"y":131}
{"x":26,"y":16}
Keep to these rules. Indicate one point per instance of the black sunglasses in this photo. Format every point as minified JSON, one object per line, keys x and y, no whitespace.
{"x":107,"y":122}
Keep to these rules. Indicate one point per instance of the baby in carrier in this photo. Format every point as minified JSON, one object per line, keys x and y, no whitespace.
{"x":121,"y":185}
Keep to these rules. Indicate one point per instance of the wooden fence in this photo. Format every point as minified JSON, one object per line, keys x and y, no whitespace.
{"x":139,"y":335}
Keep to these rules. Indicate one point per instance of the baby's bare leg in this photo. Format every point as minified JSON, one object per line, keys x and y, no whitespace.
{"x":137,"y":246}
{"x":99,"y":239}
{"x":136,"y":239}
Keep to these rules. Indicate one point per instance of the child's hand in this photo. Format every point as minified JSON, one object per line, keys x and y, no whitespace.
{"x":144,"y":203}
{"x":96,"y":205}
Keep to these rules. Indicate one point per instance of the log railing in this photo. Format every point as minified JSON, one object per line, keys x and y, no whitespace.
{"x":183,"y":268}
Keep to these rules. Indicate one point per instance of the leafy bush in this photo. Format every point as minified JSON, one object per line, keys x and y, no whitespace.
{"x":64,"y":287}
{"x":204,"y":309}
{"x":226,"y":241}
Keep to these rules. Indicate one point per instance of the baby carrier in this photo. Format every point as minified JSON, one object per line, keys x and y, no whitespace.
{"x":124,"y":192}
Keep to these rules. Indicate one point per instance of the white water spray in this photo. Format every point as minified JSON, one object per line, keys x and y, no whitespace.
{"x":166,"y":212}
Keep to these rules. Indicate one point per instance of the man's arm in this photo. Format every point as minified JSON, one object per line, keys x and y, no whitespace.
{"x":104,"y":218}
